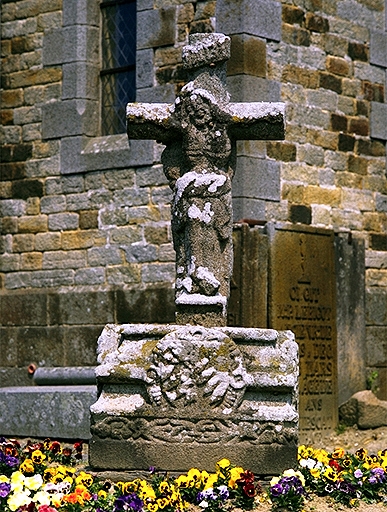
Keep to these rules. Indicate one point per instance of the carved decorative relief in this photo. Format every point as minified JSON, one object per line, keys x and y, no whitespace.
{"x":195,"y":365}
{"x":169,"y":430}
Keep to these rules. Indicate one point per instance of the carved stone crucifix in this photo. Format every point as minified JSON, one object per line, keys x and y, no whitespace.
{"x":200,"y":131}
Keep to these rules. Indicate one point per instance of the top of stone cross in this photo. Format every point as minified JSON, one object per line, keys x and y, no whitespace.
{"x":206,"y":50}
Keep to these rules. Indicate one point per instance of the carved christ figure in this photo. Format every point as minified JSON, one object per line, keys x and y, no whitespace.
{"x":200,"y":131}
{"x":201,"y":210}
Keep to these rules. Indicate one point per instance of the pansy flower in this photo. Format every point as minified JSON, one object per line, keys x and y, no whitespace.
{"x":162,"y":502}
{"x":330,"y":474}
{"x":338,"y":453}
{"x":84,"y":478}
{"x":5,"y":489}
{"x":235,"y":475}
{"x":361,"y":454}
{"x":17,"y":481}
{"x":222,"y":464}
{"x":55,"y":448}
{"x":42,"y":498}
{"x":210,"y":480}
{"x":27,"y":466}
{"x":18,"y":500}
{"x":34,"y":482}
{"x":194,"y":477}
{"x":47,"y":508}
{"x":37,"y":457}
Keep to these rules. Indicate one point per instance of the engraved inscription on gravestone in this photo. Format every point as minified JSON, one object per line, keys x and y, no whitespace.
{"x":302,"y":299}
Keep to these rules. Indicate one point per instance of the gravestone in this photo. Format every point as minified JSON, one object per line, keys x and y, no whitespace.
{"x":189,"y":394}
{"x":302,"y":291}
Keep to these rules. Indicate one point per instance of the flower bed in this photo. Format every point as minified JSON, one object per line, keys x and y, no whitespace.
{"x":46,"y":477}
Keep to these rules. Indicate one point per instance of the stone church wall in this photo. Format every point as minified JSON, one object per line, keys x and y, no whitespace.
{"x":85,"y":231}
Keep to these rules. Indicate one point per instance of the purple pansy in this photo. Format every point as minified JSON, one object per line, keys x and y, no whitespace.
{"x":128,"y":502}
{"x":5,"y":489}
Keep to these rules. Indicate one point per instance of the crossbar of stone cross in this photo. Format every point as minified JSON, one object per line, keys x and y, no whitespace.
{"x":200,"y":130}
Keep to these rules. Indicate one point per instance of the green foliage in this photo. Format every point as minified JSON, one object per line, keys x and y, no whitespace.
{"x":372,"y":380}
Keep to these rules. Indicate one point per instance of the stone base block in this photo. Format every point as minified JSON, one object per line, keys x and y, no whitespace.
{"x":173,"y":456}
{"x":58,"y":412}
{"x":177,"y":396}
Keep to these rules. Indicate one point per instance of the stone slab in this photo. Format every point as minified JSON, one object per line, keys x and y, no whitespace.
{"x":378,"y":48}
{"x":351,"y":333}
{"x":248,"y":296}
{"x":302,"y":298}
{"x":174,"y":396}
{"x":60,"y":412}
{"x":258,"y":18}
{"x":127,"y":456}
{"x":378,"y":118}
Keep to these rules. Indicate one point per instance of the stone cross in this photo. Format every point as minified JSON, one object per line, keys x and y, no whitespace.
{"x":200,"y":131}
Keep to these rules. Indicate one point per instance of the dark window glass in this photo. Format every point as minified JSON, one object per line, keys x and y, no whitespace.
{"x":118,"y":74}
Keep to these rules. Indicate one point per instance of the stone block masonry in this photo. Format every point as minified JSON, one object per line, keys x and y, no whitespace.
{"x":66,"y":190}
{"x":330,"y":62}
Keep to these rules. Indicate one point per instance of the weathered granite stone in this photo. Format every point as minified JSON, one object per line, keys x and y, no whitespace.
{"x":176,"y":396}
{"x":59,"y":412}
{"x":365,"y":410}
{"x":200,"y":131}
{"x":197,"y":393}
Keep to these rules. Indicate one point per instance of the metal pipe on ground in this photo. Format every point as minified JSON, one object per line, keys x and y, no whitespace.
{"x":65,"y":376}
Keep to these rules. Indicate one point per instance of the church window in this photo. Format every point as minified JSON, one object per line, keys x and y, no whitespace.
{"x":118,"y":73}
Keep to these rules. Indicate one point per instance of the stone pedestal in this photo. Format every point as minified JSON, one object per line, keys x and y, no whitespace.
{"x":175,"y":396}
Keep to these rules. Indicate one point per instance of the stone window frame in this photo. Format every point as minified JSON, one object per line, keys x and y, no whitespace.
{"x":75,"y":118}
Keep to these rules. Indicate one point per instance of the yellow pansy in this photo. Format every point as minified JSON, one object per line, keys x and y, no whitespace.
{"x":174,"y":498}
{"x":331,"y":474}
{"x":194,"y":477}
{"x":235,"y":474}
{"x":321,"y":456}
{"x":182,"y":481}
{"x":211,"y":481}
{"x":382,"y":454}
{"x":37,"y":457}
{"x":102,"y":494}
{"x":27,"y":466}
{"x":48,"y":474}
{"x":17,"y":481}
{"x":162,"y":502}
{"x":223,"y":464}
{"x":65,"y":470}
{"x":129,"y":487}
{"x":84,"y":478}
{"x":304,"y":452}
{"x":338,"y":453}
{"x":4,"y":479}
{"x":152,"y":507}
{"x":315,"y":473}
{"x":164,"y":488}
{"x":146,"y":492}
{"x":361,"y":453}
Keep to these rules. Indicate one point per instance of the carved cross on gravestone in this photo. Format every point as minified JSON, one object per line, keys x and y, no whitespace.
{"x":200,"y":131}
